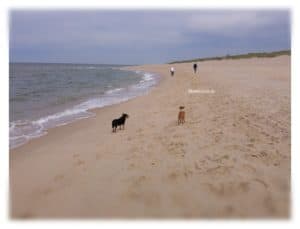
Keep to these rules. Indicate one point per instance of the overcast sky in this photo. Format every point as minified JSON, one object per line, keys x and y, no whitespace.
{"x":139,"y":37}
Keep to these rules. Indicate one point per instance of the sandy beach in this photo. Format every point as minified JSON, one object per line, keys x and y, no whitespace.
{"x":230,"y":159}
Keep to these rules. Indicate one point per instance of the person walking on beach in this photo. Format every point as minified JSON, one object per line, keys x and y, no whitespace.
{"x":172,"y":71}
{"x":195,"y":67}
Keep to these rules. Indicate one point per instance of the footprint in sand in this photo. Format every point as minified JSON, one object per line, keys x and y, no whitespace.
{"x":139,"y":180}
{"x":265,"y":134}
{"x":59,"y":178}
{"x":236,"y":148}
{"x":261,"y":155}
{"x":219,"y":159}
{"x":252,"y":140}
{"x":46,"y":191}
{"x":176,"y":136}
{"x":187,"y":172}
{"x":228,"y":189}
{"x":197,"y":166}
{"x":131,"y":166}
{"x":176,"y":148}
{"x":173,"y":176}
{"x":250,"y":145}
{"x":261,"y":182}
{"x":243,"y":186}
{"x":98,"y":156}
{"x":78,"y":162}
{"x":249,"y":168}
{"x":219,"y":170}
{"x":217,"y":139}
{"x":229,"y":210}
{"x":75,"y":155}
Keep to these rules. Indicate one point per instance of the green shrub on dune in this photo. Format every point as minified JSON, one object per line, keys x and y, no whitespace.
{"x":240,"y":56}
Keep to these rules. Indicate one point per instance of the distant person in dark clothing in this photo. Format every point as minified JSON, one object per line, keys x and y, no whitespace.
{"x":195,"y":67}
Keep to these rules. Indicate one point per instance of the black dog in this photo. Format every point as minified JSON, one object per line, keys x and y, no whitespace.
{"x":119,"y":122}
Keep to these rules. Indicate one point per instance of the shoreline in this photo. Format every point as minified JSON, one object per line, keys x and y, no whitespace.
{"x":231,"y":159}
{"x":88,"y":112}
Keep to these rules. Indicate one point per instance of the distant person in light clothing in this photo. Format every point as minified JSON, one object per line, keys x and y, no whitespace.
{"x":172,"y":71}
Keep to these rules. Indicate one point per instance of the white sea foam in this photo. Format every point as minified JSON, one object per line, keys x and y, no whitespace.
{"x":116,"y":90}
{"x":148,"y":76}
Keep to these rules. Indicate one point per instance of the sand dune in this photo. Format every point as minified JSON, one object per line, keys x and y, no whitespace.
{"x":231,"y":158}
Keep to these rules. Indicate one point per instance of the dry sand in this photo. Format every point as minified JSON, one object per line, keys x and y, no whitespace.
{"x":231,"y":159}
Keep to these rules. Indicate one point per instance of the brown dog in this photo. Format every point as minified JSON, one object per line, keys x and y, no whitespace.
{"x":181,"y":115}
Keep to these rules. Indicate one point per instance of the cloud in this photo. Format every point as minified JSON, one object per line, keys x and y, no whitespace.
{"x":90,"y":27}
{"x":235,"y":23}
{"x":141,"y":36}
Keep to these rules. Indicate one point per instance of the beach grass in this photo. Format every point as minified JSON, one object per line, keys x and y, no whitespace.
{"x":239,"y":56}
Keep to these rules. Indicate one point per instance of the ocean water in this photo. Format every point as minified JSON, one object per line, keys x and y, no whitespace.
{"x":43,"y":96}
